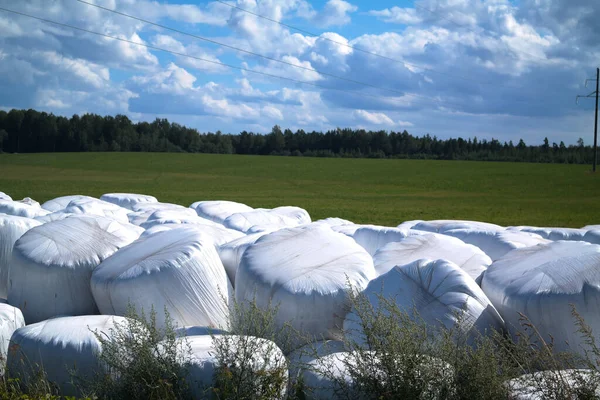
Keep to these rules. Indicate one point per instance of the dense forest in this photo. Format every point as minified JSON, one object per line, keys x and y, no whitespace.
{"x":28,"y":131}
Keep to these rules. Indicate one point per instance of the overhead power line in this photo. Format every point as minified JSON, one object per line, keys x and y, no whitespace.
{"x":255,"y":54}
{"x":595,"y":94}
{"x":359,"y":49}
{"x":361,"y":94}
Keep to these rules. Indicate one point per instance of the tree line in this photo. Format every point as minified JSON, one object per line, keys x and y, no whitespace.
{"x":31,"y":131}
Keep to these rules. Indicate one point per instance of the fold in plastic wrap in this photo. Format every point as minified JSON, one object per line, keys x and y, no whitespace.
{"x":178,"y":269}
{"x":553,"y":234}
{"x":20,"y":209}
{"x":52,"y":264}
{"x":231,"y":252}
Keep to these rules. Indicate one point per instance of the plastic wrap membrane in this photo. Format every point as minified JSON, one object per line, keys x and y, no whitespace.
{"x":553,"y":234}
{"x":60,"y":345}
{"x":178,"y":269}
{"x":52,"y":264}
{"x":332,"y":221}
{"x":442,"y":225}
{"x":11,"y":229}
{"x":4,"y":196}
{"x":150,"y":206}
{"x":542,"y":282}
{"x":432,"y":246}
{"x":20,"y":209}
{"x":266,"y":357}
{"x":438,"y":291}
{"x":219,"y":210}
{"x":294,"y":213}
{"x":306,"y":272}
{"x":60,"y":203}
{"x":497,"y":243}
{"x":127,"y":200}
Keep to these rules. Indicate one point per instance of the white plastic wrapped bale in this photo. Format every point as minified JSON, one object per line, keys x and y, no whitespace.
{"x":265,"y":218}
{"x":52,"y":265}
{"x":4,"y":196}
{"x":19,"y":209}
{"x":373,"y":237}
{"x":442,"y":225}
{"x":29,"y":201}
{"x":11,"y":229}
{"x":438,"y":291}
{"x":295,"y":213}
{"x":60,"y":203}
{"x":11,"y":319}
{"x":55,"y":216}
{"x":432,"y":246}
{"x":97,"y":207}
{"x":178,"y":269}
{"x":542,"y":385}
{"x":306,"y":271}
{"x":591,"y":227}
{"x":592,"y":236}
{"x":259,"y":355}
{"x":333,"y":221}
{"x":553,"y":234}
{"x":409,"y":224}
{"x":347,"y":230}
{"x":186,"y":331}
{"x":216,"y":233}
{"x":127,"y":200}
{"x":60,"y":345}
{"x":231,"y":252}
{"x":542,"y":282}
{"x":218,"y":210}
{"x":497,"y":243}
{"x":150,"y":206}
{"x":322,"y":368}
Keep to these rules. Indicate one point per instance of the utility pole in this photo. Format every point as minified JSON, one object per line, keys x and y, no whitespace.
{"x":596,"y":93}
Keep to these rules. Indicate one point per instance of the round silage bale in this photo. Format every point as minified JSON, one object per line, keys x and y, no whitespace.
{"x":432,"y":246}
{"x":440,"y":294}
{"x":497,"y":243}
{"x":218,"y":210}
{"x":52,"y":264}
{"x":97,"y":207}
{"x":554,"y":234}
{"x":11,"y":319}
{"x":442,"y":225}
{"x":59,"y":347}
{"x":307,"y":272}
{"x":11,"y":229}
{"x":177,"y":269}
{"x":543,"y":282}
{"x":60,"y":203}
{"x":253,"y":356}
{"x":20,"y":209}
{"x":231,"y":252}
{"x":127,"y":200}
{"x":4,"y":196}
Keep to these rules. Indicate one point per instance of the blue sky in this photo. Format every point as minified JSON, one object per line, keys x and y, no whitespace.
{"x":486,"y":68}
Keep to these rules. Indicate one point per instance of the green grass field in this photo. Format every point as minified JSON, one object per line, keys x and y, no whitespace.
{"x":383,"y":192}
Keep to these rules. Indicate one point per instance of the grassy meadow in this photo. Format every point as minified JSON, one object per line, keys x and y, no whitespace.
{"x":377,"y":191}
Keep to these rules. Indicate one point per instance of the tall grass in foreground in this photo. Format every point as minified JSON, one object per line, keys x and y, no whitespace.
{"x":399,"y":356}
